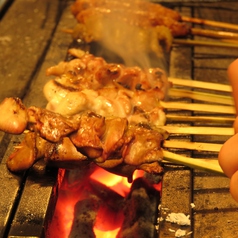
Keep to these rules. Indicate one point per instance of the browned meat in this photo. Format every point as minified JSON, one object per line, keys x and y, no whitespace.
{"x":136,"y":12}
{"x":130,"y":29}
{"x":90,"y":72}
{"x":144,"y":5}
{"x":13,"y":117}
{"x":51,"y":126}
{"x":90,"y":83}
{"x":69,"y":142}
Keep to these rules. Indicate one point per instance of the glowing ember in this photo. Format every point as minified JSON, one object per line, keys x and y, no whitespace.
{"x":117,"y":183}
{"x":78,"y":187}
{"x":106,"y":234}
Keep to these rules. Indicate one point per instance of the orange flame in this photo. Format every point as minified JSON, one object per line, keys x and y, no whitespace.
{"x":67,"y":198}
{"x":117,"y":183}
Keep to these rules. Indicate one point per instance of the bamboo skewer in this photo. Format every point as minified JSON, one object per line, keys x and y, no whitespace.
{"x":202,"y":164}
{"x":210,"y":23}
{"x":199,"y":130}
{"x":189,"y":145}
{"x":214,"y":34}
{"x":199,"y":107}
{"x":230,"y":41}
{"x":227,"y":40}
{"x":227,"y":120}
{"x":208,"y":97}
{"x":200,"y":84}
{"x":205,"y":43}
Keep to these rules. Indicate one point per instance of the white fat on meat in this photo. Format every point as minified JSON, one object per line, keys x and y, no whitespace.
{"x":109,"y":102}
{"x":106,"y":102}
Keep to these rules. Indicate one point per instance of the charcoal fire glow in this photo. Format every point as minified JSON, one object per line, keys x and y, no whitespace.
{"x":78,"y":187}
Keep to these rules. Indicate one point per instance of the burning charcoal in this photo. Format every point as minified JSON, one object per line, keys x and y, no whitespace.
{"x":153,"y":178}
{"x":84,"y":218}
{"x":140,"y":211}
{"x":99,"y":207}
{"x":108,"y":196}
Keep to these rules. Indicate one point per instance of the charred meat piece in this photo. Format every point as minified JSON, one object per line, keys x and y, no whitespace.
{"x":90,"y":83}
{"x":137,"y":12}
{"x":69,"y":142}
{"x":87,"y":71}
{"x":132,"y":30}
{"x":13,"y":117}
{"x":80,"y":5}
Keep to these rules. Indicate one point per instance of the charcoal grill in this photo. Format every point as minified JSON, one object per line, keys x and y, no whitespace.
{"x":31,"y":40}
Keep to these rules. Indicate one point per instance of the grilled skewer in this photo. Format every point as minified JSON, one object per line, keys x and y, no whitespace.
{"x":70,"y":147}
{"x":74,"y":141}
{"x":84,"y":137}
{"x":146,"y":22}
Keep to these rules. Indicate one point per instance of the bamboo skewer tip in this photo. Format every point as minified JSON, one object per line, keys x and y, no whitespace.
{"x":201,"y":164}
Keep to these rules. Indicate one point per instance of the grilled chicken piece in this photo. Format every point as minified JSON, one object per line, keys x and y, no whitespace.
{"x":13,"y":117}
{"x":80,"y":5}
{"x":69,"y":142}
{"x":87,"y":71}
{"x":109,"y":102}
{"x":143,"y":40}
{"x":136,"y":12}
{"x":132,"y":30}
{"x":89,"y":83}
{"x":51,"y":126}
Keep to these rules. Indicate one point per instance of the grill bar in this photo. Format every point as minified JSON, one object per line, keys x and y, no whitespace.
{"x":182,"y":187}
{"x":27,"y":200}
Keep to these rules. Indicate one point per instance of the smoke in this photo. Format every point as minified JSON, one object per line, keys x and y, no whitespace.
{"x":124,"y":32}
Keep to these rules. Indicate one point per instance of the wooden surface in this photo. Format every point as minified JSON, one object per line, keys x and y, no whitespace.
{"x":31,"y":40}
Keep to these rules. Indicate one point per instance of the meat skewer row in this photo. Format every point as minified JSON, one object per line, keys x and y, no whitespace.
{"x":70,"y":142}
{"x":155,"y":13}
{"x":89,"y":83}
{"x":67,"y":94}
{"x":81,"y":5}
{"x":139,"y":13}
{"x":87,"y":71}
{"x":148,"y":6}
{"x":84,"y":137}
{"x":145,"y":23}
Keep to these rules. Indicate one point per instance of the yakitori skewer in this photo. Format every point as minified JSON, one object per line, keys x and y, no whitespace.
{"x":200,"y":84}
{"x":109,"y":134}
{"x":210,"y":23}
{"x":214,"y":34}
{"x":188,"y":42}
{"x":199,"y":130}
{"x":206,"y":119}
{"x":208,"y":165}
{"x":189,"y":145}
{"x":152,"y":21}
{"x":201,"y":96}
{"x":221,"y":109}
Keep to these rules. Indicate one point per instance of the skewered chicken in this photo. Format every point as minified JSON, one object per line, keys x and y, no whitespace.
{"x":74,"y":141}
{"x":87,"y":71}
{"x":143,"y":5}
{"x":104,"y":113}
{"x":128,"y":28}
{"x":89,"y":83}
{"x":135,"y":12}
